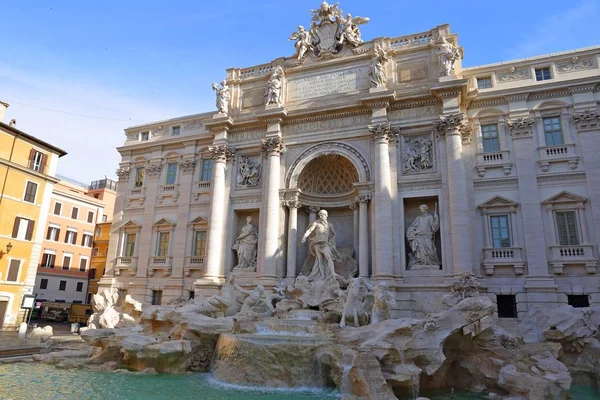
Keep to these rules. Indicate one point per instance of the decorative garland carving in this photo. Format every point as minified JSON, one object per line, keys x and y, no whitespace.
{"x":187,"y":166}
{"x":521,"y":128}
{"x":154,"y":169}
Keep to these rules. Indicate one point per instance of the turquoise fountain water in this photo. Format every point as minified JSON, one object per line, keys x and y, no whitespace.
{"x":44,"y":382}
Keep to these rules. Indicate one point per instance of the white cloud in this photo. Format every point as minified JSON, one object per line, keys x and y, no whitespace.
{"x":557,"y":31}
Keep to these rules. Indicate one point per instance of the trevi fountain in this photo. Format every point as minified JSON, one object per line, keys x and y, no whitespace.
{"x":396,"y":294}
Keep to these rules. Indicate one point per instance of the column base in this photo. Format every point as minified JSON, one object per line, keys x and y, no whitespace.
{"x":383,"y":277}
{"x":269,"y":281}
{"x":209,"y":281}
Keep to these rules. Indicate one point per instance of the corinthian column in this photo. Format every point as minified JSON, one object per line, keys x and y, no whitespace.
{"x":363,"y":236}
{"x":272,"y":148}
{"x":214,"y":263}
{"x":384,"y":259}
{"x":292,"y":238}
{"x":452,"y":129}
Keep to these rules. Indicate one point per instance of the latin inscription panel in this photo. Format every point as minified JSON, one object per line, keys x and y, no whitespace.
{"x":347,"y":80}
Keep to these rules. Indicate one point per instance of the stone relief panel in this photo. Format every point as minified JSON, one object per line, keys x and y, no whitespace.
{"x":417,"y":154}
{"x":416,"y":71}
{"x":513,"y":74}
{"x":249,"y":172}
{"x":574,"y":64}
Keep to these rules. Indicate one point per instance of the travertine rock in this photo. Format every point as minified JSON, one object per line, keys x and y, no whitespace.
{"x":43,"y":334}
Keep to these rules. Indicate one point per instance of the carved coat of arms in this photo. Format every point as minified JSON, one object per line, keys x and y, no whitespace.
{"x":329,"y":32}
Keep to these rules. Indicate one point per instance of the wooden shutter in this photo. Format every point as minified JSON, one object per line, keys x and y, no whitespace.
{"x":15,"y":231}
{"x":13,"y":270}
{"x":29,"y":233}
{"x":75,"y":238}
{"x":31,"y":158}
{"x":48,"y":233}
{"x":44,"y":162}
{"x":57,"y":234}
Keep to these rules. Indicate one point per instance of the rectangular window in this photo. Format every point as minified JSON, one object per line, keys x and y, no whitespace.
{"x":500,"y":235}
{"x":86,"y":240}
{"x":71,"y":237}
{"x":23,"y":228}
{"x":99,"y":231}
{"x":175,"y":130}
{"x":553,"y":131}
{"x":139,"y":177}
{"x":43,"y":283}
{"x":95,"y":251}
{"x":62,"y":286}
{"x":74,"y":212}
{"x":207,"y":167}
{"x":30,"y":192}
{"x":37,"y":161}
{"x":567,"y":228}
{"x":90,"y":218}
{"x":104,"y":218}
{"x":79,"y":287}
{"x":52,"y":233}
{"x":542,"y":74}
{"x":48,"y":260}
{"x":199,"y":243}
{"x":484,"y":83}
{"x":129,"y":244}
{"x":162,"y":249}
{"x":578,"y":300}
{"x":13,"y":271}
{"x":66,"y":262}
{"x":83,"y":264}
{"x":489,"y":135}
{"x":156,"y":297}
{"x":145,"y":136}
{"x":57,"y":208}
{"x":507,"y":306}
{"x":171,"y":173}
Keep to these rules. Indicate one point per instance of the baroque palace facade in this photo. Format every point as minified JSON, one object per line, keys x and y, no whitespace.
{"x":503,"y":156}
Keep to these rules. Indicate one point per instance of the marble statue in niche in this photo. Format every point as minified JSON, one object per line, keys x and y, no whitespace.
{"x":377,"y":73}
{"x":273,"y":95}
{"x":223,"y":97}
{"x":421,"y":238}
{"x":449,"y":54}
{"x":245,"y":246}
{"x":322,"y":246}
{"x":249,"y":172}
{"x":417,"y":155}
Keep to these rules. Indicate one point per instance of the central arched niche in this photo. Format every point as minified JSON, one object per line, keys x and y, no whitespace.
{"x":330,"y":174}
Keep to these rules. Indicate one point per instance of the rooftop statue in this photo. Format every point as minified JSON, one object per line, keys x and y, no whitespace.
{"x":329,"y":32}
{"x":223,"y":97}
{"x":449,"y":54}
{"x":273,"y":94}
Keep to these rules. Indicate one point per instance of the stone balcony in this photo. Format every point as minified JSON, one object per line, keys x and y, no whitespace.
{"x":136,"y":192}
{"x":169,"y":188}
{"x":126,"y":264}
{"x":168,"y":192}
{"x":503,"y":256}
{"x":496,"y":159}
{"x":193,"y":263}
{"x":160,"y":263}
{"x":569,"y":255}
{"x":556,"y":154}
{"x":200,"y":188}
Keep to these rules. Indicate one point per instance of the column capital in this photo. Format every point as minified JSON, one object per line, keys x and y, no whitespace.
{"x":292,"y":203}
{"x":272,"y":146}
{"x":363,"y":198}
{"x":587,"y":121}
{"x":381,"y":133}
{"x":353,"y":205}
{"x":314,"y":209}
{"x":521,"y":127}
{"x":123,"y":173}
{"x":449,"y":125}
{"x":221,"y":153}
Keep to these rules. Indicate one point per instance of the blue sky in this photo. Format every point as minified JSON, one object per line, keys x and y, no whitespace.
{"x":120,"y":63}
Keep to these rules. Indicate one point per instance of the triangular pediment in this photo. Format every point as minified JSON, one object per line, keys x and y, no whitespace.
{"x":127,"y":225}
{"x":199,"y":221}
{"x":164,"y":222}
{"x":498,"y":201}
{"x":565,"y":197}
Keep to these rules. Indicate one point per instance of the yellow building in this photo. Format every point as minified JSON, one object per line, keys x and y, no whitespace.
{"x":27,"y":169}
{"x":99,"y":253}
